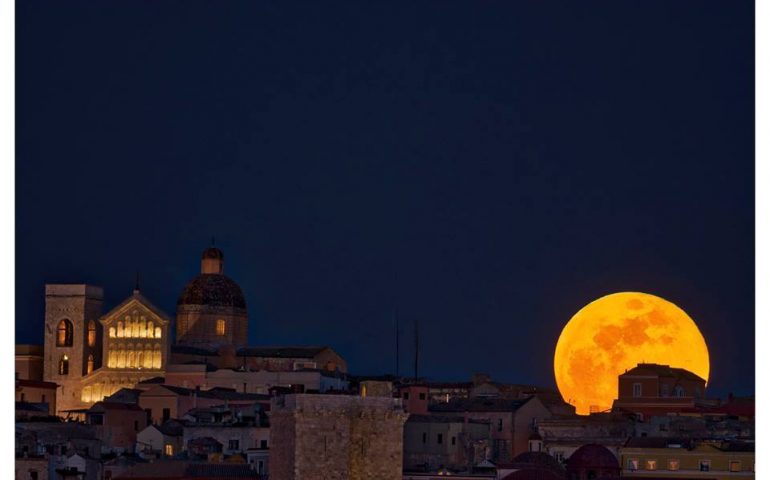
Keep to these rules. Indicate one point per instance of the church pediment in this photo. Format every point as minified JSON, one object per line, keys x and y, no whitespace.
{"x":135,"y":305}
{"x":135,"y":318}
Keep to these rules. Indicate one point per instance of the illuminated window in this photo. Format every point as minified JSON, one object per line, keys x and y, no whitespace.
{"x":637,"y":389}
{"x":90,"y":365}
{"x":168,"y":449}
{"x":91,"y":333}
{"x":735,"y":466}
{"x":64,"y":365}
{"x":64,"y":334}
{"x":220,"y":327}
{"x":633,"y":464}
{"x":651,"y":465}
{"x":673,"y":464}
{"x":112,"y":332}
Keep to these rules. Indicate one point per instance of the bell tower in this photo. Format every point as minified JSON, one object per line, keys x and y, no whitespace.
{"x":73,"y":338}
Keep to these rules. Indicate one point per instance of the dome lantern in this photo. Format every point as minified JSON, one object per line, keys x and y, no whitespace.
{"x":213,"y":261}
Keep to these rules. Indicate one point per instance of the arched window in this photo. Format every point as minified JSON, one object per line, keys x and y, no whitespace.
{"x":91,"y":333}
{"x":157,"y":332}
{"x":90,"y":365}
{"x":220,"y":327}
{"x":64,"y":365}
{"x":150,"y":329}
{"x":122,"y":357}
{"x":64,"y":333}
{"x":112,"y":357}
{"x":147,"y":356}
{"x":130,"y":363}
{"x":120,"y":329}
{"x":112,"y":332}
{"x":156,"y":358}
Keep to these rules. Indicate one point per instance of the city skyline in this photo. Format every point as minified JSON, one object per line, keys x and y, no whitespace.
{"x":487,"y":188}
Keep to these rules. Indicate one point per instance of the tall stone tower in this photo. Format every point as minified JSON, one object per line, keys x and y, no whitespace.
{"x":336,"y":437}
{"x":211,"y":310}
{"x":73,"y":338}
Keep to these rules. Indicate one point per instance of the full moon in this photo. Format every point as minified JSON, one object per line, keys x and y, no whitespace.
{"x":615,"y":333}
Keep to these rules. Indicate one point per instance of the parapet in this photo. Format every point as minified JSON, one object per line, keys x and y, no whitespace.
{"x":74,"y":290}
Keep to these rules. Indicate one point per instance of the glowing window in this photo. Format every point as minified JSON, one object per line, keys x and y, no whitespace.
{"x":673,"y":464}
{"x":735,"y":466}
{"x":64,"y":365}
{"x":90,"y":365}
{"x":220,"y":327}
{"x":64,"y":333}
{"x":168,"y":449}
{"x":91,"y":333}
{"x":651,"y":465}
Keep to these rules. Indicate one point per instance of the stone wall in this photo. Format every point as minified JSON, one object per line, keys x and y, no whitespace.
{"x":79,"y":304}
{"x":336,"y":437}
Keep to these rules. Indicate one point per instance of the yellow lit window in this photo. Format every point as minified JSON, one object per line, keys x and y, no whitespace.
{"x":64,"y":334}
{"x":168,"y":449}
{"x":651,"y":465}
{"x":673,"y":464}
{"x":735,"y":466}
{"x":220,"y":327}
{"x":91,"y":333}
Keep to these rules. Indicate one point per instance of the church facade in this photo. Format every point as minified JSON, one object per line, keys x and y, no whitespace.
{"x":91,"y":355}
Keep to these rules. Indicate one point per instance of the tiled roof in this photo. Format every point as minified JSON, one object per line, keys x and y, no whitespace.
{"x":152,"y":380}
{"x":220,"y":471}
{"x":190,"y":350}
{"x":281,"y":352}
{"x":172,"y":428}
{"x":662,"y":371}
{"x":31,"y":407}
{"x":212,"y":290}
{"x":170,"y":469}
{"x":658,"y":442}
{"x":105,"y":406}
{"x":479,"y":404}
{"x":35,"y":383}
{"x":414,"y":418}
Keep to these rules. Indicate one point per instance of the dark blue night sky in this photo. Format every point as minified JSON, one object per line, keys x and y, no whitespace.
{"x":485,"y":167}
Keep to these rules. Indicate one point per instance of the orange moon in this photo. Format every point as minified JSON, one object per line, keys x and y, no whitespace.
{"x":613,"y":334}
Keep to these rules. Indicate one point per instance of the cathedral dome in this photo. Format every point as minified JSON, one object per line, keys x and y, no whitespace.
{"x":212,"y":290}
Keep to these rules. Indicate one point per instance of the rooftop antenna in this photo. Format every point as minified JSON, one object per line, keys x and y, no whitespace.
{"x":416,"y":348}
{"x":136,"y":282}
{"x":395,"y":319}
